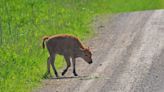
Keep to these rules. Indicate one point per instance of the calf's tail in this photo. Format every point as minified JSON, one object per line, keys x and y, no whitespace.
{"x":44,"y":38}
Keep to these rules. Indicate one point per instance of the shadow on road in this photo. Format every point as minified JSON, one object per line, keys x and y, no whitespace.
{"x":71,"y":77}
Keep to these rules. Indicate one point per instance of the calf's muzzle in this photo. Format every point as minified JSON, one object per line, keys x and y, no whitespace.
{"x":90,"y":62}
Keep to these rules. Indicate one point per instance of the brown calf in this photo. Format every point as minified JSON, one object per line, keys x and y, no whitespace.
{"x":68,"y":46}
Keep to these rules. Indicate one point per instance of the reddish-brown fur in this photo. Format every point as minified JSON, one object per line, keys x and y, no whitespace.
{"x":68,"y":46}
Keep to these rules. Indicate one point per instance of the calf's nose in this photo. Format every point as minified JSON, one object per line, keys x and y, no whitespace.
{"x":90,"y":62}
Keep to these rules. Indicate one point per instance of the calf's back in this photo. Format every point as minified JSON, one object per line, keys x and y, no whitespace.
{"x":64,"y":44}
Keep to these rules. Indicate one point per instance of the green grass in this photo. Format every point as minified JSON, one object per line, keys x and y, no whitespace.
{"x":23,"y":23}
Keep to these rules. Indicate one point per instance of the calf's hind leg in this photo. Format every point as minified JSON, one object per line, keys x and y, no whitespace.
{"x":67,"y":59}
{"x":48,"y":65}
{"x":52,"y":60}
{"x":48,"y":68}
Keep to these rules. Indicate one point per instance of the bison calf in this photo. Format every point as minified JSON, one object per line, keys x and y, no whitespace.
{"x":68,"y":46}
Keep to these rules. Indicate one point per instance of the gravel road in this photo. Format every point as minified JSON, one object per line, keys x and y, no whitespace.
{"x":128,"y":56}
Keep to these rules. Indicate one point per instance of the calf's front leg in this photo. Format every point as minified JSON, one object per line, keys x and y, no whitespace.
{"x":74,"y":68}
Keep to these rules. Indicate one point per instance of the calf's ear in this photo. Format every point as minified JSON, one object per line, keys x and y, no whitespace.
{"x":82,"y":49}
{"x":92,"y":49}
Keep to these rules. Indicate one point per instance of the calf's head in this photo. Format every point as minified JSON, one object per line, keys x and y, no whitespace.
{"x":86,"y":55}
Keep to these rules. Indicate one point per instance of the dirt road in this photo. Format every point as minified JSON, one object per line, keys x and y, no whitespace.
{"x":128,"y":56}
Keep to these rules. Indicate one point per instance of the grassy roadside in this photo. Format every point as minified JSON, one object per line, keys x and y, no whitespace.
{"x":24,"y":22}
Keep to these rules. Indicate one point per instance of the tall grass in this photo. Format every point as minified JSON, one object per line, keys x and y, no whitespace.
{"x":24,"y":22}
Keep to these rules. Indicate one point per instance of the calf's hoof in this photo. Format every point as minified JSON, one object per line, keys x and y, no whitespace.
{"x":56,"y":75}
{"x":47,"y":75}
{"x":63,"y":73}
{"x":75,"y":74}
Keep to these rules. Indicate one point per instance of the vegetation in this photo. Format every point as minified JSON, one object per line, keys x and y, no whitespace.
{"x":23,"y":23}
